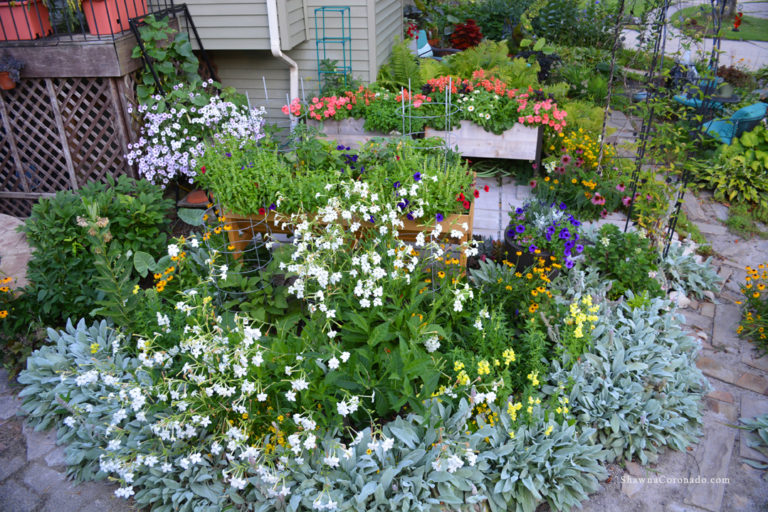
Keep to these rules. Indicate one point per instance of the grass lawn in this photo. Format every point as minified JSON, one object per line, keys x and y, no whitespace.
{"x":751,"y":29}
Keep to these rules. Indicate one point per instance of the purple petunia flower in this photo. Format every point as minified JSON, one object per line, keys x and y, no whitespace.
{"x":372,"y":220}
{"x":439,"y":217}
{"x":273,"y":206}
{"x":532,"y":248}
{"x":228,"y":154}
{"x":569,"y":245}
{"x":568,"y":263}
{"x":410,"y":215}
{"x":579,"y":248}
{"x":564,"y":234}
{"x":563,"y":206}
{"x":396,"y":185}
{"x":340,"y":147}
{"x":417,"y":176}
{"x":520,"y":228}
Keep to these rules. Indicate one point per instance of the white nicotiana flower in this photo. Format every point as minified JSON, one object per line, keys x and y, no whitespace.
{"x":333,"y":363}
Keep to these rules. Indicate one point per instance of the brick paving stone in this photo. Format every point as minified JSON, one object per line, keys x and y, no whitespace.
{"x":713,"y":368}
{"x":713,"y":458}
{"x":39,"y":443}
{"x":720,"y":395}
{"x":726,"y":321}
{"x":14,"y":497}
{"x":727,"y":410}
{"x":696,"y":320}
{"x":712,"y":229}
{"x":761,"y":363}
{"x":753,"y":382}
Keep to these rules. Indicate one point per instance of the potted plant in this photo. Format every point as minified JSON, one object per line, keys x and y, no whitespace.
{"x":9,"y":72}
{"x":23,"y":20}
{"x":106,"y":17}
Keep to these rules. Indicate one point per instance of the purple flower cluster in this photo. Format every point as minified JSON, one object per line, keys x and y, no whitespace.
{"x":547,"y":227}
{"x":172,"y":139}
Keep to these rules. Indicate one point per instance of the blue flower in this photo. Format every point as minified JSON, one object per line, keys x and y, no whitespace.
{"x":519,"y":211}
{"x":439,"y":217}
{"x":520,"y":228}
{"x":568,"y":245}
{"x":511,"y":233}
{"x":532,"y":249}
{"x":228,"y":154}
{"x":563,"y":206}
{"x":410,"y":215}
{"x":372,"y":220}
{"x":579,"y":249}
{"x":273,"y":206}
{"x":564,"y":234}
{"x":340,"y":147}
{"x":568,"y":263}
{"x":396,"y":185}
{"x":417,"y":176}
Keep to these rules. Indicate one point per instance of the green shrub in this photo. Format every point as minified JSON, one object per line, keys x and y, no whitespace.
{"x":626,"y":259}
{"x":62,"y":269}
{"x":741,"y":170}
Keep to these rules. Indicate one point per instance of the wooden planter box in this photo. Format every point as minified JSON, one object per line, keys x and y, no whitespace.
{"x":243,"y":227}
{"x":518,"y":143}
{"x":24,"y":20}
{"x":348,"y":132}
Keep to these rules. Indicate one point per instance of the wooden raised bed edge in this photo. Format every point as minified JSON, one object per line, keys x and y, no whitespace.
{"x":517,"y":143}
{"x":347,"y":132}
{"x":244,"y":226}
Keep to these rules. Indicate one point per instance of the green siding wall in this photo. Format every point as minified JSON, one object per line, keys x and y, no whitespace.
{"x":243,"y":25}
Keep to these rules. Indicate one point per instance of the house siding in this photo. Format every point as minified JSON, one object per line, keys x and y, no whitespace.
{"x":389,"y":27}
{"x":243,"y":25}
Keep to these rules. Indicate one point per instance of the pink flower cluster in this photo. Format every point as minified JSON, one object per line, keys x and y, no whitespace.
{"x":544,"y":112}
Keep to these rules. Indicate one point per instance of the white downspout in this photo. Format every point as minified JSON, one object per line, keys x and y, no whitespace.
{"x":274,"y":44}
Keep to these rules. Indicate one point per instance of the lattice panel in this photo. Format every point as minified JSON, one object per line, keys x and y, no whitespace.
{"x":16,"y":207}
{"x":9,"y":175}
{"x":33,"y":124}
{"x":91,"y":126}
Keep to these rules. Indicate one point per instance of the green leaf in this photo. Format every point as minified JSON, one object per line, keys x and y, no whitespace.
{"x":193,"y":217}
{"x":143,"y":262}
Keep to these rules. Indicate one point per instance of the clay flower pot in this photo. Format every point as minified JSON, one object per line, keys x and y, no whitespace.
{"x":6,"y":82}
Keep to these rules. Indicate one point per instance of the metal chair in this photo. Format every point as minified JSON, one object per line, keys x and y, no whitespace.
{"x":743,"y":120}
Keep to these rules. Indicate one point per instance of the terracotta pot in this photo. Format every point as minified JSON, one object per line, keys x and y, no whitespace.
{"x":197,"y":197}
{"x":24,"y":20}
{"x":107,"y":17}
{"x":6,"y":83}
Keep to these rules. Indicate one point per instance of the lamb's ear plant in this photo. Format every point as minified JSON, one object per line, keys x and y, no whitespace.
{"x":688,"y":275}
{"x":638,"y":385}
{"x":759,"y":442}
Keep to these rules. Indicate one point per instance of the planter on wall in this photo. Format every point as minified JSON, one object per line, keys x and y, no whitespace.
{"x":518,"y":143}
{"x":348,"y":132}
{"x":6,"y":82}
{"x":107,"y":17}
{"x":24,"y":20}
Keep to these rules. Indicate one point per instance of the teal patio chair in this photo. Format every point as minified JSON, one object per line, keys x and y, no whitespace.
{"x":743,"y":120}
{"x":699,"y":91}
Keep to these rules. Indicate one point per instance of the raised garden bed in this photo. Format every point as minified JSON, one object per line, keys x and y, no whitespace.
{"x":518,"y":143}
{"x":348,"y":132}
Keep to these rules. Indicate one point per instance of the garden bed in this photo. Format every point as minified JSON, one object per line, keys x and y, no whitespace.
{"x":518,"y":143}
{"x":347,"y":132}
{"x":244,"y":227}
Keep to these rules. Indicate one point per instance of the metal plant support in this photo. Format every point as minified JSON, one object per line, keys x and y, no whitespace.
{"x":174,"y":12}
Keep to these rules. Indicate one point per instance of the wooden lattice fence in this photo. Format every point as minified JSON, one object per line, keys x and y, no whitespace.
{"x":59,"y":133}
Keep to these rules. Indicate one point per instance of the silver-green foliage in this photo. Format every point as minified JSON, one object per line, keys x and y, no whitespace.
{"x":638,"y":384}
{"x":435,"y":463}
{"x":687,"y":275}
{"x":759,"y":426}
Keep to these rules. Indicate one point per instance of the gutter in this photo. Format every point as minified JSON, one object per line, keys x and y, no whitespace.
{"x":274,"y":44}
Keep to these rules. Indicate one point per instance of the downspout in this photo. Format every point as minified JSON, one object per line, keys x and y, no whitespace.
{"x":274,"y":44}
